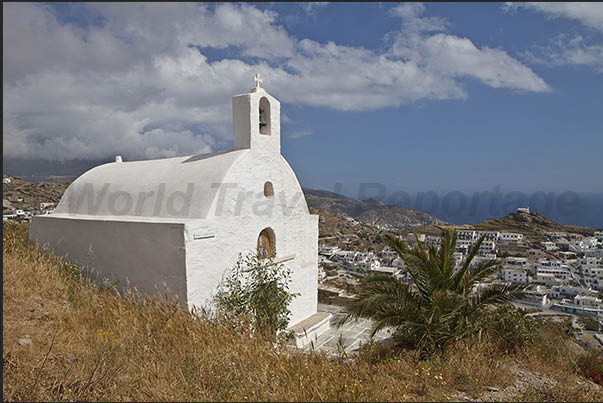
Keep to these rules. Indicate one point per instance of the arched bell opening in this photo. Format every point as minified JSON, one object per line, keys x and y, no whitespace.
{"x":264,"y":117}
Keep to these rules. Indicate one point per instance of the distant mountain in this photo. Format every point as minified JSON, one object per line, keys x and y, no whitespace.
{"x":371,"y":212}
{"x":36,"y":170}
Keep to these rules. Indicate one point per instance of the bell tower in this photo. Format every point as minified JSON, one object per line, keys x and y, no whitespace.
{"x":257,"y":120}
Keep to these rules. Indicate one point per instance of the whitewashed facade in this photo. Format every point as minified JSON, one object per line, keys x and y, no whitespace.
{"x":511,"y":236}
{"x":515,"y":275}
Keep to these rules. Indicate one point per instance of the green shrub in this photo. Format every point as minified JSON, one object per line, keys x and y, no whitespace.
{"x":509,"y":328}
{"x":256,"y":288}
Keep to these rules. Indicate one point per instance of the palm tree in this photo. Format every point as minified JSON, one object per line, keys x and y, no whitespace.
{"x":444,"y":301}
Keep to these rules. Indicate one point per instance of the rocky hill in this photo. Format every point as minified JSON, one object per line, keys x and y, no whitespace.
{"x":32,"y":194}
{"x":371,"y":212}
{"x":532,"y":225}
{"x":339,"y":229}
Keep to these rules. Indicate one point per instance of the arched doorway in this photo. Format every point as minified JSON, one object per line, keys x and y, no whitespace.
{"x":266,"y":244}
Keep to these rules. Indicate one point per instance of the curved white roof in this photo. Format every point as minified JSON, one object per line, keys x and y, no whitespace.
{"x":154,"y":188}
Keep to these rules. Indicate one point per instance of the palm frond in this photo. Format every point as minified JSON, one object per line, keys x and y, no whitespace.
{"x":496,"y":294}
{"x":379,"y":295}
{"x":478,"y":273}
{"x":445,"y":259}
{"x":416,"y":260}
{"x":460,"y":274}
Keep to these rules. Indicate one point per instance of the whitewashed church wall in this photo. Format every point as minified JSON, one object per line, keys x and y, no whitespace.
{"x":147,"y":254}
{"x":220,"y":241}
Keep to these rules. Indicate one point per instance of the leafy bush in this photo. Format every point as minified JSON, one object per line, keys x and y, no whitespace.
{"x":507,"y":327}
{"x":256,"y":288}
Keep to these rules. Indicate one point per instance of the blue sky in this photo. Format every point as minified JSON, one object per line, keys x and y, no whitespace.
{"x":417,"y":97}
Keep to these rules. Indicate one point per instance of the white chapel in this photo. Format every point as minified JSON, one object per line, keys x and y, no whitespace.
{"x":183,"y":221}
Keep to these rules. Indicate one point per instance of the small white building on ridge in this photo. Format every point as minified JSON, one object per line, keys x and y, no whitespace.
{"x":184,"y":221}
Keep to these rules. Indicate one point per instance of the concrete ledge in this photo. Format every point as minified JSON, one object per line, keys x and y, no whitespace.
{"x":311,"y":328}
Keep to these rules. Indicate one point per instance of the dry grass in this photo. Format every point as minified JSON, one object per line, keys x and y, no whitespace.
{"x":92,"y":344}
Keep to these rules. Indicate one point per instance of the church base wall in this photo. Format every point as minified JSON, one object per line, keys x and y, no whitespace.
{"x":145,"y":254}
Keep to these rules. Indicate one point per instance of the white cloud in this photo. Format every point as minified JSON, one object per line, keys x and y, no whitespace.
{"x":62,"y":116}
{"x":451,"y":56}
{"x":565,"y":51}
{"x":34,"y":40}
{"x":414,"y":22}
{"x":140,"y":84}
{"x":310,"y":7}
{"x":589,"y":14}
{"x":352,"y":79}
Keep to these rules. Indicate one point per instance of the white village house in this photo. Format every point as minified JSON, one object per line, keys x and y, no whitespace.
{"x":183,"y":221}
{"x":515,"y":275}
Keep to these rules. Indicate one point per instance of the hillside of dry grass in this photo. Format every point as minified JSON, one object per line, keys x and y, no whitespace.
{"x":65,"y":339}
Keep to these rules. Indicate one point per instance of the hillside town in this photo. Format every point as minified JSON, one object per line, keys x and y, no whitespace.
{"x":564,"y":272}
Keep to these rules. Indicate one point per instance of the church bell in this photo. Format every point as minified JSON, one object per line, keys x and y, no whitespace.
{"x":262,"y":118}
